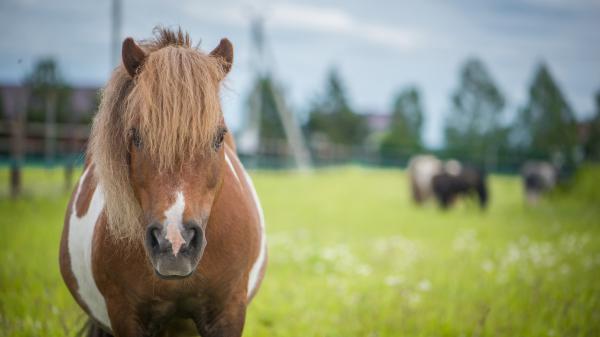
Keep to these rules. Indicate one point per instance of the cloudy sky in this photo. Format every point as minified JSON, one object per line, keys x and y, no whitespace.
{"x":379,"y":47}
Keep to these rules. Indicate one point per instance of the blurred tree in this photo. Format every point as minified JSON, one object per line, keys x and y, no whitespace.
{"x":270,"y":125}
{"x":546,"y":126}
{"x":50,"y":94}
{"x":49,"y":102}
{"x":404,"y":135}
{"x":332,"y":116}
{"x":473,"y":128}
{"x":592,"y":146}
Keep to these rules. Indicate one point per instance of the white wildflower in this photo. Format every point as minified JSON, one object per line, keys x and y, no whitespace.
{"x":466,"y":241}
{"x":424,"y":285}
{"x":363,"y":270}
{"x":487,"y":266}
{"x":393,"y":281}
{"x":414,"y":298}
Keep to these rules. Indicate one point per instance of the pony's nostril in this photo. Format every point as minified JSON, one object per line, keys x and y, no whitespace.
{"x":154,"y":235}
{"x":189,"y":235}
{"x":192,"y":235}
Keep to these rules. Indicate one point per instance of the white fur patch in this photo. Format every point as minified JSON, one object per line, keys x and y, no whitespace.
{"x":253,"y":278}
{"x":424,"y":169}
{"x":174,"y":223}
{"x":81,"y":235}
{"x":231,"y":166}
{"x":453,"y":167}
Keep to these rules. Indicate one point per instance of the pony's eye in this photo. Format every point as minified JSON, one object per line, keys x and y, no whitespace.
{"x":135,"y":138}
{"x":219,"y":137}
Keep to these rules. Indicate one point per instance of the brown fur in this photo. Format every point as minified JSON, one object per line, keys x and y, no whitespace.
{"x":88,"y":186}
{"x":215,"y":294}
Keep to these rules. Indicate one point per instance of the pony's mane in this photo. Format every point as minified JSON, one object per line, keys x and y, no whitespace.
{"x":172,"y":102}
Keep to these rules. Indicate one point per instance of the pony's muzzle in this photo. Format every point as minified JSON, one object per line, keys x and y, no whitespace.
{"x":174,"y":251}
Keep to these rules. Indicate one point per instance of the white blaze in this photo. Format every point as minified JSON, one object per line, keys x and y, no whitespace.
{"x":81,"y":235}
{"x":174,"y":223}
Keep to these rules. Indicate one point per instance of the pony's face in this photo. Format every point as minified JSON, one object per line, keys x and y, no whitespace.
{"x":176,"y":200}
{"x":176,"y":205}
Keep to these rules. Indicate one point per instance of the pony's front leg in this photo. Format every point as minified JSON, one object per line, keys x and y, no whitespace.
{"x":226,"y":322}
{"x":125,"y":322}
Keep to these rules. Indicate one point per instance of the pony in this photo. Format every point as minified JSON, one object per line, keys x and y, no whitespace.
{"x":456,"y":180}
{"x":421,"y":170}
{"x":164,"y":233}
{"x":538,"y":177}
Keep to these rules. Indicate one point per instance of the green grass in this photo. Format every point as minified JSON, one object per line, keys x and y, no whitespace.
{"x":350,"y":255}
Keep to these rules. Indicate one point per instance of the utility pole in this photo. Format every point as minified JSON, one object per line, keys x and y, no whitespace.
{"x":251,"y":136}
{"x":115,"y":35}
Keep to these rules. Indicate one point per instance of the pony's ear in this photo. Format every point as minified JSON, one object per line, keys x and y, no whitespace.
{"x":133,"y":56}
{"x":224,"y":52}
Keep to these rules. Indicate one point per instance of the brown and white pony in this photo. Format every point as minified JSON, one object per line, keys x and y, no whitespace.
{"x":164,"y":233}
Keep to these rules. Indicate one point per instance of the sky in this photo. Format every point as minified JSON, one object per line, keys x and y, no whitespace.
{"x":378,"y":47}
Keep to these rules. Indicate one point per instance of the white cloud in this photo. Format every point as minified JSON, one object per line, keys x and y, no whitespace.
{"x":310,"y":17}
{"x":301,"y":17}
{"x":565,"y":4}
{"x":338,"y":21}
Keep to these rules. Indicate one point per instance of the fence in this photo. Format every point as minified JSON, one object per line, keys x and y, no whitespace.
{"x":64,"y":145}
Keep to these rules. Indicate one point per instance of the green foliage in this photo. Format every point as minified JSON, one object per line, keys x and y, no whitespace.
{"x":332,"y":116}
{"x":404,"y":135}
{"x":584,"y":188}
{"x":592,"y":146}
{"x":48,"y":91}
{"x":546,"y":126}
{"x":270,"y":124}
{"x":343,"y":263}
{"x":474,"y":127}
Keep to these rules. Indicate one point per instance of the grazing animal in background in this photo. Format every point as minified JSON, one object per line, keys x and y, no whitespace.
{"x":421,"y":170}
{"x":457,"y":180}
{"x":538,"y":177}
{"x":164,"y":233}
{"x":453,"y":167}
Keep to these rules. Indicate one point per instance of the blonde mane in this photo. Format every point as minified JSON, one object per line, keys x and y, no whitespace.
{"x":172,"y":102}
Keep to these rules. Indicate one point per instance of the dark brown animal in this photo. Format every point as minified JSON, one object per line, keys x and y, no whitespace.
{"x":164,"y":232}
{"x":465,"y":181}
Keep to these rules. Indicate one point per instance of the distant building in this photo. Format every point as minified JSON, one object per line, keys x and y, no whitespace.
{"x":67,"y":137}
{"x":377,"y":121}
{"x":584,"y":129}
{"x":14,"y":99}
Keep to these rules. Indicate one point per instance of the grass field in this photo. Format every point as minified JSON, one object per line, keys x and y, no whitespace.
{"x":350,"y":255}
